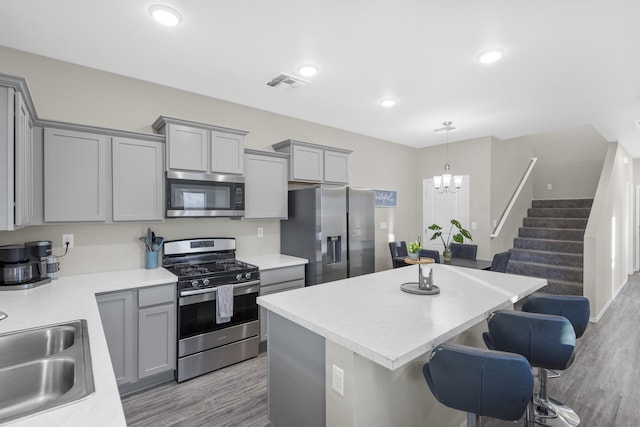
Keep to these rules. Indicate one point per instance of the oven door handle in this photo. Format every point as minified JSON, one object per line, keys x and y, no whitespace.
{"x":209,"y":294}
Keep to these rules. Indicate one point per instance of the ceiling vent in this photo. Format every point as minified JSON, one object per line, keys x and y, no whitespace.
{"x":287,"y":79}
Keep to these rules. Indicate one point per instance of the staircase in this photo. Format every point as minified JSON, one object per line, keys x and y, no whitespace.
{"x":550,"y":245}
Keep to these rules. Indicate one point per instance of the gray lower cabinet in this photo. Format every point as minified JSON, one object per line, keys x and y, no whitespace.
{"x":116,"y":312}
{"x":140,"y":327}
{"x":278,"y":280}
{"x":157,"y":333}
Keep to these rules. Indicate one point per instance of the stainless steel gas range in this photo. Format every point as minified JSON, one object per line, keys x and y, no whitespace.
{"x":203,"y":265}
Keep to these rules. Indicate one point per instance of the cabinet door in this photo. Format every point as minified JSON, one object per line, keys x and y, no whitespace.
{"x":137,"y":180}
{"x":24,"y":206}
{"x":307,"y":164}
{"x":116,"y":313}
{"x":187,"y":148}
{"x":75,"y":176}
{"x":336,"y":167}
{"x":265,"y":187}
{"x":157,"y":340}
{"x":227,"y":153}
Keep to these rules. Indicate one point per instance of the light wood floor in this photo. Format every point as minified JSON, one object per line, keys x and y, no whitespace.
{"x":602,"y":386}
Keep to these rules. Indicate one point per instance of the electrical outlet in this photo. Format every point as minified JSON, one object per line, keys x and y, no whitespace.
{"x":549,"y":187}
{"x":474,"y":225}
{"x":260,"y":231}
{"x":67,"y":238}
{"x":337,"y":380}
{"x":383,"y":226}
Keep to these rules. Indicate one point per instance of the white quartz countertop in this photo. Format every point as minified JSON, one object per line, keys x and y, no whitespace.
{"x":271,"y":261}
{"x":372,"y":317}
{"x":71,"y":298}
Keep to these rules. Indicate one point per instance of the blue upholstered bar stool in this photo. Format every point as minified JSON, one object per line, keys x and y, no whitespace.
{"x":574,"y":307}
{"x":546,"y":341}
{"x":577,"y":310}
{"x":480,"y":382}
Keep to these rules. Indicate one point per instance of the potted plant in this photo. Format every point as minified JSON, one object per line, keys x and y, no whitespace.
{"x":457,"y":237}
{"x":414,"y":249}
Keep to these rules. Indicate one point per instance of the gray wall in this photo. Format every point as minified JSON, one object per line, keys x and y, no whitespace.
{"x":570,"y":160}
{"x":72,"y":93}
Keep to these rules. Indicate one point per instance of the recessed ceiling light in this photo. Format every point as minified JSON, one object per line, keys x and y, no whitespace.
{"x":387,"y":102}
{"x":491,"y":55}
{"x":307,"y":70}
{"x":165,"y":15}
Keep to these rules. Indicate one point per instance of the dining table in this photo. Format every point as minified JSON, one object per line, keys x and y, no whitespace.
{"x":479,"y":264}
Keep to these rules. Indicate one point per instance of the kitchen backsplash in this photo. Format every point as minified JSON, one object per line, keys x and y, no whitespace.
{"x":109,"y":247}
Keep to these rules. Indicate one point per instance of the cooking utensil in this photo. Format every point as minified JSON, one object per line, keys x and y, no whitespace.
{"x":157,"y":242}
{"x":146,"y":243}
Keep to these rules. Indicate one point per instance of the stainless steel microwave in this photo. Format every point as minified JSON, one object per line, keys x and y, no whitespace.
{"x":193,"y":194}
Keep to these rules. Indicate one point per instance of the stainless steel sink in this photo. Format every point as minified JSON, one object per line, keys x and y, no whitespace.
{"x":44,"y":368}
{"x":24,"y":346}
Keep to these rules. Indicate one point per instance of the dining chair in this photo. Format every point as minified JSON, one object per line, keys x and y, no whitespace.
{"x":430,"y":253}
{"x":398,"y":253}
{"x":463,"y":250}
{"x":500,"y":262}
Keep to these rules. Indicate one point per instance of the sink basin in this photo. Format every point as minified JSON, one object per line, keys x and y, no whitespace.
{"x":44,"y":368}
{"x":25,"y":346}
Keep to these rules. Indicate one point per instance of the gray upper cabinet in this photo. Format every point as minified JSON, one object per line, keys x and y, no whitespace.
{"x":187,"y":148}
{"x":75,"y":176}
{"x":201,"y":147}
{"x":24,"y":167}
{"x":265,"y":185}
{"x":315,"y":163}
{"x":16,"y":160}
{"x":336,"y":167}
{"x":137,"y":179}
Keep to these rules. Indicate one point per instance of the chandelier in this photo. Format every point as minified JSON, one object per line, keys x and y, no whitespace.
{"x":443,"y":182}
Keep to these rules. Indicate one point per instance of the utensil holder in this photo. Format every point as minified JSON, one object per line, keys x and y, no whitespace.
{"x":151,"y":260}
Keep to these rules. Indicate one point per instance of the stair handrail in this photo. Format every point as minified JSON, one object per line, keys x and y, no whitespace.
{"x":514,"y":197}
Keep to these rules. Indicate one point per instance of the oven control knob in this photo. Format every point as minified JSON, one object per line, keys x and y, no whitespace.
{"x":238,"y":276}
{"x":194,"y":283}
{"x":205,"y":282}
{"x":247,"y":276}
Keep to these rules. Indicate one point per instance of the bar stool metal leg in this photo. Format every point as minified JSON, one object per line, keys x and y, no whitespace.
{"x":549,"y":412}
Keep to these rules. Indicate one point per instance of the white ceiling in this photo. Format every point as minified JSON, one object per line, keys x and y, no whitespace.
{"x":568,"y":63}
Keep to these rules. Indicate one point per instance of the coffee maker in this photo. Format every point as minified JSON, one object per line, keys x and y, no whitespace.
{"x":23,"y":266}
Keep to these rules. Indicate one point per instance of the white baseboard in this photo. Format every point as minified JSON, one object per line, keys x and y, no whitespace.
{"x":598,"y":316}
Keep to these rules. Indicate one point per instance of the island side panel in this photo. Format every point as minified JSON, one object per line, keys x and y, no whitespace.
{"x":375,"y":396}
{"x":296,"y":374}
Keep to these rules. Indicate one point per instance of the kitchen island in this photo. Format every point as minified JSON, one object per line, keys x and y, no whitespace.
{"x":350,"y":352}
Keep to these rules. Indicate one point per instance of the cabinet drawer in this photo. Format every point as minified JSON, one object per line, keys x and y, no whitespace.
{"x":285,"y":274}
{"x":157,"y":295}
{"x":281,"y":287}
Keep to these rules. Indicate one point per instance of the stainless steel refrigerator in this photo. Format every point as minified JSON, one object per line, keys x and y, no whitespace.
{"x":333,"y":227}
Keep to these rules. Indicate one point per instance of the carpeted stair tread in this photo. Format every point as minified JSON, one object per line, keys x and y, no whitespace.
{"x":550,"y":244}
{"x":562,"y":203}
{"x":542,"y":222}
{"x":575,"y":234}
{"x":555,"y":272}
{"x":569,"y":246}
{"x":566,"y":213}
{"x":547,"y":257}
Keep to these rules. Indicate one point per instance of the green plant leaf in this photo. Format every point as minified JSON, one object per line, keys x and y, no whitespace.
{"x":435,"y":227}
{"x":458,"y":238}
{"x":457,"y":224}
